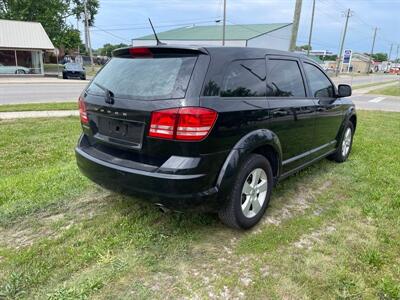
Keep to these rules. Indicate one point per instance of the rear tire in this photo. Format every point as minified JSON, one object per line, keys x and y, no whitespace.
{"x":250,"y":194}
{"x":344,"y":148}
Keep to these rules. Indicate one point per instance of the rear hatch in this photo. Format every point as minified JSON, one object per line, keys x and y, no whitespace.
{"x":121,"y":98}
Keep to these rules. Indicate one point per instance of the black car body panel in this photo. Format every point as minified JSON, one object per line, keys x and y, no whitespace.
{"x":116,"y":151}
{"x":74,"y":70}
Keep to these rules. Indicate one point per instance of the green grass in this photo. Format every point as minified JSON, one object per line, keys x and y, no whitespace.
{"x":39,"y":106}
{"x":331,"y":231}
{"x":390,"y":91}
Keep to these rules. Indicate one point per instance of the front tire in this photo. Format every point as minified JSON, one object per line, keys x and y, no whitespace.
{"x":250,"y":194}
{"x":20,"y":72}
{"x":344,"y":148}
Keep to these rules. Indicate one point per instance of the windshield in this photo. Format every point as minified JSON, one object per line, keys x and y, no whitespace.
{"x":71,"y":66}
{"x":144,"y":78}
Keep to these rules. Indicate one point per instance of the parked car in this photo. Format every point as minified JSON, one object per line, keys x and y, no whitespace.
{"x":13,"y":69}
{"x":74,"y":70}
{"x":211,"y":128}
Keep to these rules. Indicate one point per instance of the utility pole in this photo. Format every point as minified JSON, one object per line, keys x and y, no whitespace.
{"x":295,"y":28}
{"x":87,"y":33}
{"x":224,"y":25}
{"x":311,"y":28}
{"x":390,"y":52}
{"x":397,"y":54}
{"x":372,"y":50}
{"x":348,"y":14}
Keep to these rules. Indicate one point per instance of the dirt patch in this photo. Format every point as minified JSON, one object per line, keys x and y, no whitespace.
{"x":48,"y":225}
{"x":308,"y":240}
{"x":214,"y":261}
{"x":296,"y":205}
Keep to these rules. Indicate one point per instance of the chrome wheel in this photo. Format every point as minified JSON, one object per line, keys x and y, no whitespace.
{"x":254,"y":192}
{"x":346,"y":144}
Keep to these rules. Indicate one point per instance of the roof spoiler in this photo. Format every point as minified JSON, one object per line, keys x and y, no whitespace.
{"x":159,"y":50}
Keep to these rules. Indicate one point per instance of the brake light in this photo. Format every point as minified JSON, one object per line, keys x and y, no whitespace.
{"x":187,"y":123}
{"x":82,"y":111}
{"x":140,"y":52}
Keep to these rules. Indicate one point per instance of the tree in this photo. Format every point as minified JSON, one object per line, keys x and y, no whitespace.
{"x":107,"y":49}
{"x":303,"y":47}
{"x":380,"y":56}
{"x":52,"y":14}
{"x":328,"y":57}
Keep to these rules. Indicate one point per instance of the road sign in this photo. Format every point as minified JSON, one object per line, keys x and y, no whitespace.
{"x":347,"y":56}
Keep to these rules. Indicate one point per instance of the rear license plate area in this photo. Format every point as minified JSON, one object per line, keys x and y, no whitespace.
{"x":126,"y":133}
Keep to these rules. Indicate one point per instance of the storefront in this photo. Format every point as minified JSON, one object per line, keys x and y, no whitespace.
{"x":22,"y":45}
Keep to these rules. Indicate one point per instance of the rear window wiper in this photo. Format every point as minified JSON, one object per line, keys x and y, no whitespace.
{"x":109,"y":94}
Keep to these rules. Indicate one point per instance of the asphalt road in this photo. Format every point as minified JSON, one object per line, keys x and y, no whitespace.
{"x":60,"y":91}
{"x":360,"y":80}
{"x":14,"y":93}
{"x":376,"y":102}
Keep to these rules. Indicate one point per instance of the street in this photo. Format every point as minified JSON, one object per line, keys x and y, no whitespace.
{"x":376,"y":102}
{"x":56,"y":90}
{"x":44,"y":90}
{"x":362,"y":79}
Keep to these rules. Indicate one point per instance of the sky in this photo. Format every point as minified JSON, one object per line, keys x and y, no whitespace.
{"x":119,"y":21}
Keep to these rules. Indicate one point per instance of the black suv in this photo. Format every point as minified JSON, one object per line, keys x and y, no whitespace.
{"x":210,"y":127}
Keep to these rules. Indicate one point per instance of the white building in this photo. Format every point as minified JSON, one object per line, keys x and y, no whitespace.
{"x":21,"y":47}
{"x":273,"y":36}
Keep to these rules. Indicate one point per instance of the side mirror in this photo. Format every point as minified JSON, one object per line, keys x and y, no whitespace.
{"x":344,"y":90}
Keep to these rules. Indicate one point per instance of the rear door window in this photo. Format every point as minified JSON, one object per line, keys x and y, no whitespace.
{"x":320,"y":85}
{"x":284,"y":79}
{"x":245,"y":78}
{"x":144,"y":78}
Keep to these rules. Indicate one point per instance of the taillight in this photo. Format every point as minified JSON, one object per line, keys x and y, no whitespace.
{"x":82,"y":111}
{"x":163,"y":123}
{"x":186,"y":123}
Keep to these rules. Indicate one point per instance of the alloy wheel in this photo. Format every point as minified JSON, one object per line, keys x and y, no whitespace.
{"x":254,"y":192}
{"x":346,"y":144}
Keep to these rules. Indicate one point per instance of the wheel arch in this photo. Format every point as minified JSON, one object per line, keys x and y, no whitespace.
{"x":261,"y":141}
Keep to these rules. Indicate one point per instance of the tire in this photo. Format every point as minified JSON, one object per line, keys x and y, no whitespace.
{"x":344,"y":148}
{"x":232,"y":214}
{"x":20,"y":71}
{"x":65,"y":76}
{"x":83,"y":78}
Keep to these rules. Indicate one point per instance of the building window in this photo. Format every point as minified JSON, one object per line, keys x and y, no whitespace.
{"x":7,"y":62}
{"x":28,"y":62}
{"x":20,"y":62}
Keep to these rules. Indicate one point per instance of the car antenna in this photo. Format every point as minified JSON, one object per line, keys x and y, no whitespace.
{"x":155,"y":34}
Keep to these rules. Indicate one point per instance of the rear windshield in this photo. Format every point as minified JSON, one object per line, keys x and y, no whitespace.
{"x":144,"y":78}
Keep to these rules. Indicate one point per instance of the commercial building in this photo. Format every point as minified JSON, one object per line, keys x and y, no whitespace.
{"x":273,"y":36}
{"x":22,"y":45}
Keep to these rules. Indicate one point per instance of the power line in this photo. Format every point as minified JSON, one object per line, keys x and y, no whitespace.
{"x":162,"y":26}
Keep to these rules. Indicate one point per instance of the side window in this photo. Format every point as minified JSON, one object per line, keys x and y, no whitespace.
{"x":245,"y":78}
{"x":284,"y":79}
{"x":320,"y":85}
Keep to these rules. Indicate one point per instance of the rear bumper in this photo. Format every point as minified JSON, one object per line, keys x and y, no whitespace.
{"x":175,"y":191}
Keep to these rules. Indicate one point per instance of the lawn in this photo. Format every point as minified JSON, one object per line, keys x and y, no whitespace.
{"x":39,"y":106}
{"x":331,"y":231}
{"x":390,"y":91}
